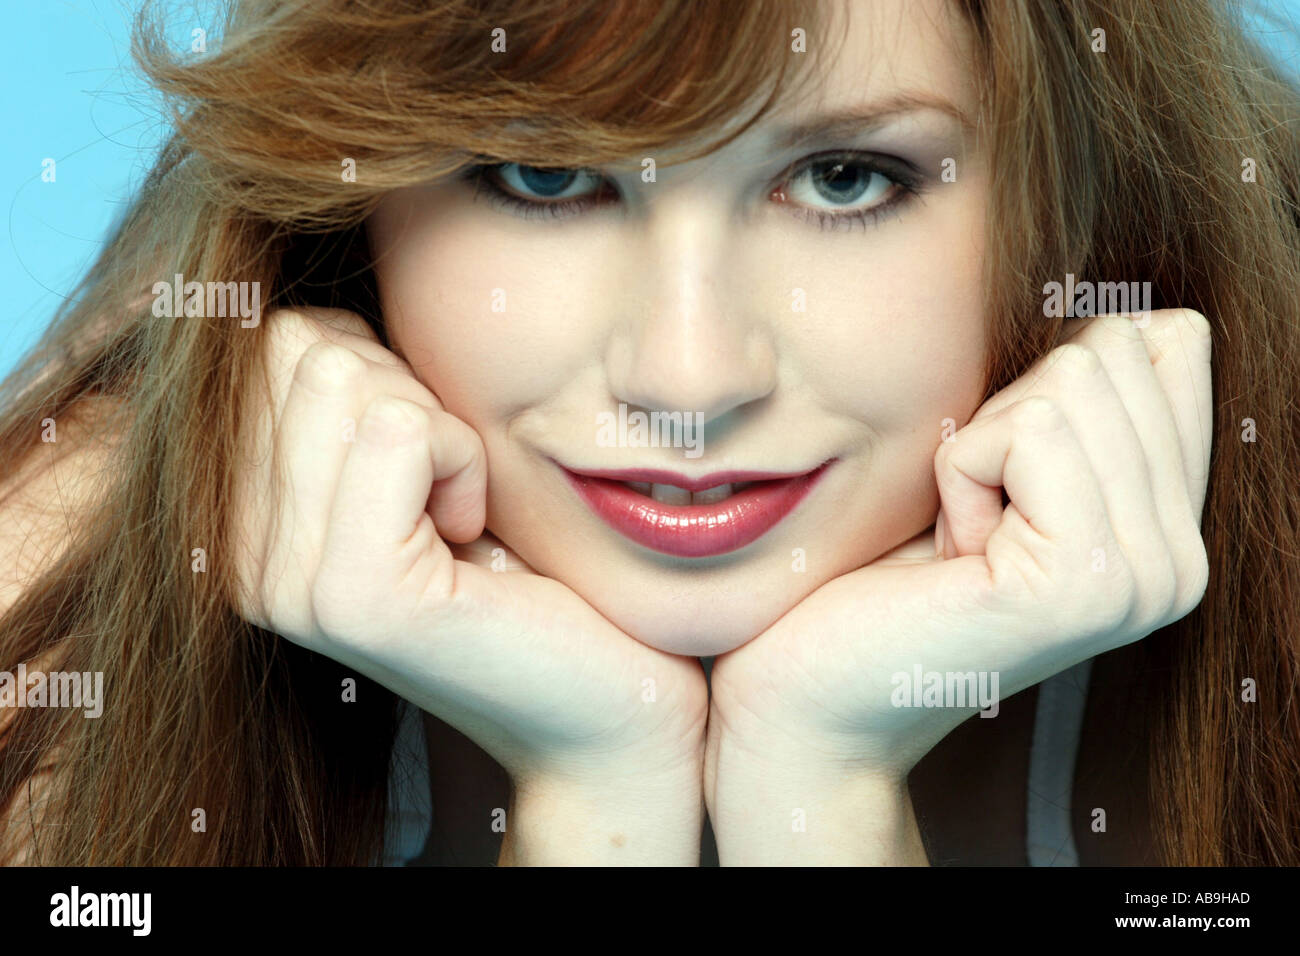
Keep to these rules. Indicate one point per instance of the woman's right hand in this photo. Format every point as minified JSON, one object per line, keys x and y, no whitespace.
{"x":351,"y":559}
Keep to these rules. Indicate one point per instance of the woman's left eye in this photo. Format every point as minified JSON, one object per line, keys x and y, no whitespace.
{"x":844,"y":185}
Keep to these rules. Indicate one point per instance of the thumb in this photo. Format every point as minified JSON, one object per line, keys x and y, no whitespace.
{"x":969,"y":511}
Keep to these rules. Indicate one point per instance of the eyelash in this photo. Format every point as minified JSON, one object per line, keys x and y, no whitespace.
{"x":481,"y":176}
{"x":907,"y":184}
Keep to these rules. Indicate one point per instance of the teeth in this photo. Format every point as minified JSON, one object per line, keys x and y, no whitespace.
{"x":710,"y":495}
{"x":670,"y":494}
{"x":673,"y":495}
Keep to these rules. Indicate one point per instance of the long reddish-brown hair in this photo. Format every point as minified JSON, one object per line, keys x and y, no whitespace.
{"x":1123,"y":165}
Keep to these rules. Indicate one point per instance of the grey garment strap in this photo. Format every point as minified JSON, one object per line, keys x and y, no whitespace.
{"x":1058,"y":722}
{"x":410,"y":803}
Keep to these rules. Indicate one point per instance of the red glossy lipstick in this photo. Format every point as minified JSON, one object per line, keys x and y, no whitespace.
{"x":693,"y":530}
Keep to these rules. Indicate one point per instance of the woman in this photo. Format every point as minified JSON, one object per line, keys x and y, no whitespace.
{"x":486,"y":236}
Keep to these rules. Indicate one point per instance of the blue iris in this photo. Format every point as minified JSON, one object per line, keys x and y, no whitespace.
{"x":547,"y":182}
{"x":840,"y":182}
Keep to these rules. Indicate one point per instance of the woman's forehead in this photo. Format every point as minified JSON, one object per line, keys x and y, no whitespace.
{"x":878,"y":50}
{"x":872,"y":63}
{"x":854,"y":58}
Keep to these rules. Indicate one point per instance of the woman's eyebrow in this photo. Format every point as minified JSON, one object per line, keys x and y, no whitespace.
{"x":859,"y":119}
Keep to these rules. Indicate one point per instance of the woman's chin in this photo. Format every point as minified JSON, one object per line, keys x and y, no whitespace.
{"x":693,"y":631}
{"x":694,"y":644}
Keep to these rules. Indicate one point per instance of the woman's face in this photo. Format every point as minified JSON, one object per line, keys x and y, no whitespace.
{"x":815,"y":307}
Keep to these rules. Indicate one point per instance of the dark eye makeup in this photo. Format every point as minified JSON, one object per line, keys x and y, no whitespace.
{"x":839,"y":178}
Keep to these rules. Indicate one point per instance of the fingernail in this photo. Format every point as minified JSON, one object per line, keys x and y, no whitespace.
{"x":939,"y":536}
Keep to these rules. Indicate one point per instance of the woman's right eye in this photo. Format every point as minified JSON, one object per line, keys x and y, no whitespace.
{"x":546,"y":183}
{"x":533,"y":192}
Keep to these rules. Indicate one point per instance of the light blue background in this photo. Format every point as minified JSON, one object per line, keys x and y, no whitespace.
{"x":71,"y":94}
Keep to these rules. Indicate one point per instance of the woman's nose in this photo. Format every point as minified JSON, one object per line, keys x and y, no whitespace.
{"x":697,"y":342}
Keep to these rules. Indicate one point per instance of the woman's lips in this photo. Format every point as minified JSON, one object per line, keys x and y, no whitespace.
{"x":696,"y":530}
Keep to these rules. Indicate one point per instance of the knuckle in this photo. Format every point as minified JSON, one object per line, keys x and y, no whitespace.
{"x":1196,"y":323}
{"x":1194,"y":578}
{"x":1038,"y":413}
{"x":1118,"y":326}
{"x":251,"y":600}
{"x":286,"y":317}
{"x":287,"y":330}
{"x":395,"y":416}
{"x":344,"y":321}
{"x":1162,"y":588}
{"x":1075,"y":360}
{"x":1110,"y":609}
{"x":329,"y":368}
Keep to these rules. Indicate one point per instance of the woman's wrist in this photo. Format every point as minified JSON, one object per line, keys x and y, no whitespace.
{"x":637,"y":819}
{"x":773,"y":807}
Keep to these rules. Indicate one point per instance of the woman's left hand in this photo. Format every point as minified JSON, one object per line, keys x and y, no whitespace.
{"x":1102,"y":448}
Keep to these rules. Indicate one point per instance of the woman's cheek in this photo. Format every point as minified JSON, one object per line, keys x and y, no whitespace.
{"x":903,"y":371}
{"x":492,"y":335}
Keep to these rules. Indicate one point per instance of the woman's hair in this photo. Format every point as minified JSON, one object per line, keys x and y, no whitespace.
{"x":1123,"y":165}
